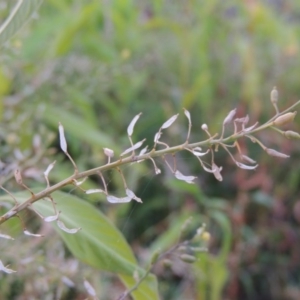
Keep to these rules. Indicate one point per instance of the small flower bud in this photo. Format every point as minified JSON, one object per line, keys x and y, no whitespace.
{"x":204,"y":127}
{"x":205,"y":236}
{"x":284,"y":119}
{"x":188,"y":258}
{"x":274,"y":95}
{"x":292,"y":135}
{"x":108,"y":152}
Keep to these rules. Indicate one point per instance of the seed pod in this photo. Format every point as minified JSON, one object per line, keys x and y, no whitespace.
{"x":167,"y":263}
{"x":155,"y":256}
{"x":183,"y":249}
{"x":273,"y":152}
{"x":292,"y":135}
{"x":229,"y":117}
{"x":186,"y":226}
{"x":284,"y":119}
{"x":188,"y":258}
{"x":274,"y":95}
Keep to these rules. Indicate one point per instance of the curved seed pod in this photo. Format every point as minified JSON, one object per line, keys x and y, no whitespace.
{"x":62,"y":226}
{"x":169,"y":122}
{"x":188,"y":258}
{"x":229,"y":117}
{"x":188,"y":179}
{"x":132,"y":124}
{"x":62,"y":139}
{"x":292,"y":135}
{"x":273,"y":152}
{"x":134,"y":147}
{"x":285,"y":119}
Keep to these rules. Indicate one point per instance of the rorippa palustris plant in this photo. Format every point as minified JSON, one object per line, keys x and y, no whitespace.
{"x":203,"y":152}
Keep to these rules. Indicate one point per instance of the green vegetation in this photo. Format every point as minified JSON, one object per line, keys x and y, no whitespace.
{"x":93,"y":66}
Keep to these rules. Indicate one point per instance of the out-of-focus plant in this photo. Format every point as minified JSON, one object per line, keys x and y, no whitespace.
{"x":127,"y":32}
{"x":111,"y":259}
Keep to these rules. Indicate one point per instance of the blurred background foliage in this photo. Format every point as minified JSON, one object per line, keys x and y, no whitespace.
{"x":93,"y":65}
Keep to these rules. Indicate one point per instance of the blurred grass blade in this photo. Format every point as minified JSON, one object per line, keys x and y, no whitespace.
{"x":17,"y":18}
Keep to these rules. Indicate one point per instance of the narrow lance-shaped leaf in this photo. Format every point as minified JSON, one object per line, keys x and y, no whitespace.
{"x":134,"y":147}
{"x":62,"y":139}
{"x":62,"y":226}
{"x":132,"y":123}
{"x":169,"y":122}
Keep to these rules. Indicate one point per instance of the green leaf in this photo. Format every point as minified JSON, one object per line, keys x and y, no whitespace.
{"x":17,"y":18}
{"x":99,"y":243}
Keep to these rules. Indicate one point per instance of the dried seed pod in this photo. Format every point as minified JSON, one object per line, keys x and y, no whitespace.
{"x":284,"y":119}
{"x":273,"y":152}
{"x":229,"y":117}
{"x":18,"y":177}
{"x":188,"y":258}
{"x":292,"y":135}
